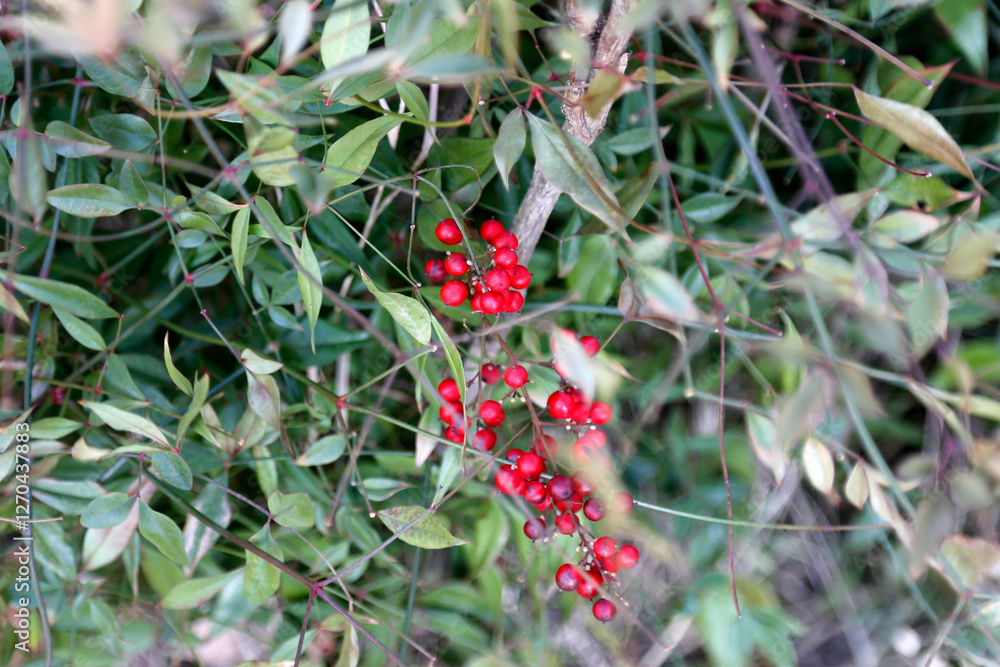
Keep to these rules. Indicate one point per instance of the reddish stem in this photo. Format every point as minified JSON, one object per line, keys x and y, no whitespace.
{"x":833,"y":116}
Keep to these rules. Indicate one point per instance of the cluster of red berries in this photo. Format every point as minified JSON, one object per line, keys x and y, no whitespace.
{"x":495,"y":290}
{"x":559,"y":498}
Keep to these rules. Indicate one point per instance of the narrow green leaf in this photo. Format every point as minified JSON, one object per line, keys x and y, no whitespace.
{"x":408,"y":312}
{"x":414,"y":99}
{"x":193,"y":593}
{"x":70,"y":298}
{"x":509,"y":144}
{"x":257,"y":364}
{"x":132,"y":187}
{"x":30,"y":190}
{"x":821,"y":223}
{"x":125,"y":131}
{"x":6,"y":71}
{"x":273,"y":224}
{"x":928,"y":314}
{"x":70,"y":142}
{"x":310,"y":280}
{"x":666,"y":295}
{"x":260,"y":578}
{"x":200,"y":221}
{"x":907,"y":226}
{"x":163,"y":533}
{"x":451,"y":353}
{"x":428,"y":533}
{"x":294,"y":26}
{"x":120,"y":420}
{"x":265,"y":401}
{"x":81,"y":332}
{"x":182,"y":382}
{"x":293,"y":510}
{"x":965,"y":21}
{"x":241,"y":226}
{"x":325,"y":450}
{"x":346,"y":34}
{"x":172,"y":469}
{"x":349,"y":156}
{"x":107,"y":511}
{"x":88,"y":200}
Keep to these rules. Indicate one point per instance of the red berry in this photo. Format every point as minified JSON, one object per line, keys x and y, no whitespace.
{"x":605,"y":547}
{"x":624,"y":503}
{"x":515,"y":376}
{"x":476,"y":303}
{"x":435,"y":270}
{"x":491,"y":373}
{"x":453,"y":292}
{"x":605,"y":610}
{"x":489,"y":229}
{"x":520,"y":277}
{"x":581,"y":413}
{"x":449,"y":390}
{"x":560,"y":487}
{"x":505,"y":258}
{"x":497,"y":280}
{"x":581,"y":485}
{"x":454,"y":435}
{"x":484,"y":440}
{"x":59,"y":395}
{"x":566,"y":524}
{"x":587,"y":589}
{"x":593,"y":509}
{"x":530,"y":465}
{"x":608,"y":567}
{"x":561,"y":405}
{"x":514,"y":302}
{"x":590,"y":345}
{"x":505,"y":240}
{"x":509,"y":481}
{"x":600,"y":413}
{"x":546,"y":446}
{"x":449,"y":412}
{"x":572,"y":505}
{"x":456,"y":264}
{"x":534,"y":528}
{"x":535,"y":493}
{"x":448,"y":232}
{"x":492,"y":302}
{"x":514,"y":454}
{"x":584,"y":451}
{"x":492,"y":413}
{"x":545,"y":505}
{"x":627,"y":557}
{"x":568,"y":578}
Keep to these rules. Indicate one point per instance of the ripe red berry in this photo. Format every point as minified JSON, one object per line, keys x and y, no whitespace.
{"x":456,"y":264}
{"x":627,"y":557}
{"x":454,"y":435}
{"x":435,"y":270}
{"x":534,"y":528}
{"x":484,"y":440}
{"x":605,"y":547}
{"x":530,"y":465}
{"x":568,"y":578}
{"x":546,"y":446}
{"x":561,"y":405}
{"x":584,"y":451}
{"x":491,"y":373}
{"x":600,"y":413}
{"x":605,"y":610}
{"x":581,"y":485}
{"x":515,"y":376}
{"x":590,"y":345}
{"x":587,"y":589}
{"x":514,"y":302}
{"x":449,"y":390}
{"x":453,"y":292}
{"x":492,"y":413}
{"x":593,"y":509}
{"x":448,"y":232}
{"x":520,"y":277}
{"x":535,"y":493}
{"x":624,"y":503}
{"x":449,"y":412}
{"x":581,"y":413}
{"x":492,"y":302}
{"x":514,"y":454}
{"x":505,"y":258}
{"x":560,"y":487}
{"x":489,"y":229}
{"x":609,"y":567}
{"x":497,"y":280}
{"x":476,"y":302}
{"x":572,"y":505}
{"x":509,"y":481}
{"x":566,"y":524}
{"x":505,"y":240}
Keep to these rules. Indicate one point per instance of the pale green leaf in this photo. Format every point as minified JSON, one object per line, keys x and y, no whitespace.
{"x":107,"y":511}
{"x":163,"y":533}
{"x":509,"y":144}
{"x":427,"y":533}
{"x":408,"y":312}
{"x":293,"y":510}
{"x":88,"y":200}
{"x":81,"y":332}
{"x":349,"y":156}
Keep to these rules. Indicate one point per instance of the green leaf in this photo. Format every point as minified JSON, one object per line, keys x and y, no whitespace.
{"x":182,"y":382}
{"x":120,"y":420}
{"x":70,"y":298}
{"x":131,"y":185}
{"x":265,"y":401}
{"x":88,"y":200}
{"x":200,"y":221}
{"x":349,"y":156}
{"x":260,"y":578}
{"x":272,"y":224}
{"x":172,"y":469}
{"x":574,"y":170}
{"x":70,"y":142}
{"x":595,"y":273}
{"x":6,"y":72}
{"x":257,"y":364}
{"x":428,"y":533}
{"x":928,"y":314}
{"x":241,"y":226}
{"x":53,"y":428}
{"x":917,"y":128}
{"x":293,"y":510}
{"x":346,"y":34}
{"x":196,"y":592}
{"x":820,"y":224}
{"x":193,"y":72}
{"x":965,"y":21}
{"x":9,"y":303}
{"x":125,"y":131}
{"x":325,"y":450}
{"x":294,"y":26}
{"x":414,"y":99}
{"x":107,"y":511}
{"x":31,"y":195}
{"x":408,"y":312}
{"x":666,"y":295}
{"x":510,"y":144}
{"x":162,"y":532}
{"x":81,"y":332}
{"x":451,"y":353}
{"x":906,"y":226}
{"x":310,"y":282}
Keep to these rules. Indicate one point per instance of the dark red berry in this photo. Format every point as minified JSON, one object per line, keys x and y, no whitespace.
{"x":568,"y":578}
{"x":587,"y":589}
{"x":489,"y":229}
{"x":520,"y":277}
{"x":454,"y":435}
{"x":492,"y":413}
{"x":627,"y":557}
{"x":59,"y":395}
{"x":514,"y":454}
{"x":534,"y":528}
{"x":593,"y":509}
{"x":505,"y":258}
{"x":492,"y":302}
{"x":535,"y":493}
{"x":491,"y":373}
{"x":530,"y":465}
{"x":448,"y":232}
{"x":515,"y":376}
{"x":449,"y":390}
{"x":581,"y":485}
{"x":505,"y":240}
{"x":605,"y":610}
{"x":484,"y":440}
{"x":453,"y":292}
{"x":590,"y":345}
{"x":497,"y":280}
{"x":565,"y":523}
{"x":560,"y":487}
{"x":435,"y":270}
{"x":456,"y":264}
{"x":623,"y":503}
{"x":605,"y":547}
{"x":509,"y":481}
{"x":600,"y":413}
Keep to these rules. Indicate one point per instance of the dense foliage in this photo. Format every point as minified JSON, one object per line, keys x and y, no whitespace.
{"x":261,"y":406}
